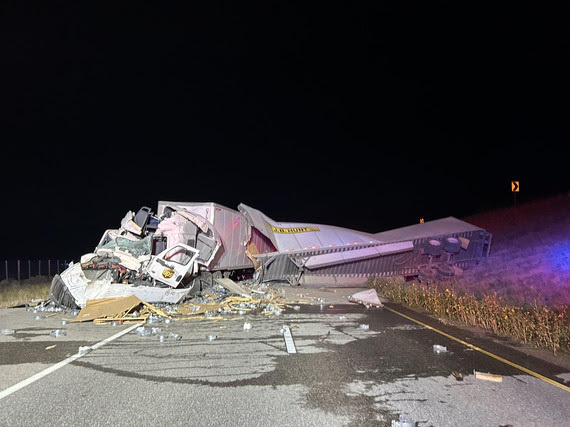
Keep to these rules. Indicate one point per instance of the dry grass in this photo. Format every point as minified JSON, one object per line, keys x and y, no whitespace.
{"x":540,"y":326}
{"x":13,"y":293}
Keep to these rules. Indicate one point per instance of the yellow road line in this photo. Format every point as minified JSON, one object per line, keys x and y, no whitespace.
{"x":494,"y":356}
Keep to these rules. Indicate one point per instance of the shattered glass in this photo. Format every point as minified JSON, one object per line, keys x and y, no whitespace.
{"x":136,"y":248}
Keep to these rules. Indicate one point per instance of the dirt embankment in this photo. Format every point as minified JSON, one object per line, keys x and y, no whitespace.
{"x":530,"y":252}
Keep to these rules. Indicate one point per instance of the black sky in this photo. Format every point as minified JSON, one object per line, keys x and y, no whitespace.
{"x":366,"y":116}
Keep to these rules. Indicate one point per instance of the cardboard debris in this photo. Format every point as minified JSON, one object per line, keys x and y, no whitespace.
{"x":368,"y":298}
{"x":116,"y":309}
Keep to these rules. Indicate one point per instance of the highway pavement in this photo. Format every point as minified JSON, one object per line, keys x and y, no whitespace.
{"x":353,"y":366}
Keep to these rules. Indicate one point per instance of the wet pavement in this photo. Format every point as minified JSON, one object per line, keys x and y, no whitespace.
{"x":353,"y":366}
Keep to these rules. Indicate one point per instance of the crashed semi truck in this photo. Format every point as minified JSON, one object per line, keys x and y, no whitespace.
{"x":184,"y":247}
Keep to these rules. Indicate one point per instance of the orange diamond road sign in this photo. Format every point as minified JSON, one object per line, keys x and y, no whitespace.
{"x":515,"y":186}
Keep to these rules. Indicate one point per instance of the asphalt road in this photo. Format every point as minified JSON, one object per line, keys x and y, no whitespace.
{"x":342,"y":373}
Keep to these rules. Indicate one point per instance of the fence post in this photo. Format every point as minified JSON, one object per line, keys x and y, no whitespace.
{"x":49,"y":268}
{"x":39,"y":267}
{"x":6,"y":269}
{"x":29,"y":269}
{"x":18,"y":272}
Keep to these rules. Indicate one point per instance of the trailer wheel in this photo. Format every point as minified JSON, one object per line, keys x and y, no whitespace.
{"x":444,"y":271}
{"x":451,"y":245}
{"x":433,"y":247}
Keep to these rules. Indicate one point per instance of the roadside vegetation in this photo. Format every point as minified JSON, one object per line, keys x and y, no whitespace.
{"x":536,"y":325}
{"x":13,"y":293}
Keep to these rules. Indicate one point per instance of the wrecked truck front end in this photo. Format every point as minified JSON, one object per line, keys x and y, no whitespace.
{"x":138,"y":259}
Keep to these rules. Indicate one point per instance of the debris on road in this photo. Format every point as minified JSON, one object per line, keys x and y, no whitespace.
{"x":289,"y":343}
{"x":457,"y":375}
{"x":368,"y":298}
{"x":403,"y":421}
{"x":439,"y":349}
{"x":84,"y":349}
{"x":488,"y":377}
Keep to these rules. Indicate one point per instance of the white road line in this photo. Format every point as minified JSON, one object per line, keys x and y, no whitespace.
{"x":61,"y":364}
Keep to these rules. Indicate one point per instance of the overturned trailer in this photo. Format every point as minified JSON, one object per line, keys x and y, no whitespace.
{"x":184,"y":247}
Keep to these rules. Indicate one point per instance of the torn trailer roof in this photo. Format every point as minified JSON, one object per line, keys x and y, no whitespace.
{"x":184,"y":247}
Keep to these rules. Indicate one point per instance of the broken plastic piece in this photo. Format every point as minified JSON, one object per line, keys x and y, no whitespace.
{"x":289,"y":343}
{"x":368,"y":298}
{"x":175,"y":337}
{"x":143,"y":332}
{"x":84,"y":349}
{"x":404,"y":422}
{"x":439,"y":348}
{"x":58,"y":333}
{"x":6,"y":331}
{"x":211,"y":337}
{"x":364,"y":326}
{"x":246,"y":326}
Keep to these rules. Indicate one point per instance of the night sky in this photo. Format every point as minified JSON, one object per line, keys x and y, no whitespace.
{"x":365,"y":116}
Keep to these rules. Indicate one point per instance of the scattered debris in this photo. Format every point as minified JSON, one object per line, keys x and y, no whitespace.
{"x":233,"y":287}
{"x":458,"y":375}
{"x":403,"y":422}
{"x":289,"y":343}
{"x":58,"y":333}
{"x":439,"y":348}
{"x":49,"y":347}
{"x":211,"y":337}
{"x":488,"y":377}
{"x":7,"y":331}
{"x":368,"y":298}
{"x":84,"y":350}
{"x":175,"y":337}
{"x":364,"y":326}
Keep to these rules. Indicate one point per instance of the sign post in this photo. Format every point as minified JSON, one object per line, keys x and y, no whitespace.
{"x":514,"y":190}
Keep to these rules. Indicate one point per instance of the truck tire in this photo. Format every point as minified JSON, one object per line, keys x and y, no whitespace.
{"x":451,"y":245}
{"x":433,"y":247}
{"x":444,"y":271}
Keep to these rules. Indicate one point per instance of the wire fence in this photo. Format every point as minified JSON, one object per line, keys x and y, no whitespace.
{"x":26,"y":269}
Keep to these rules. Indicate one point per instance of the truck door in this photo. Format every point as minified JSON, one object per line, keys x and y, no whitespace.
{"x":171,"y":265}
